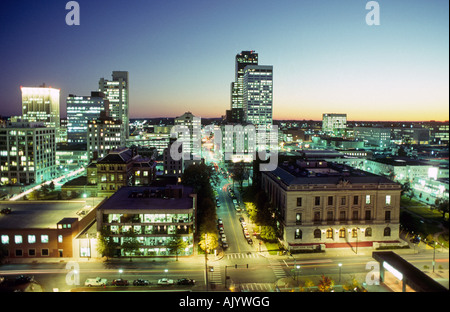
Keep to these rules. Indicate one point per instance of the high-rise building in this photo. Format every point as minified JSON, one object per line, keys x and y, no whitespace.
{"x":41,"y":104}
{"x":192,"y":141}
{"x":27,"y":153}
{"x":334,"y":124}
{"x":81,"y":110}
{"x":104,"y":134}
{"x":237,"y":87}
{"x":258,"y":95}
{"x":117,"y":92}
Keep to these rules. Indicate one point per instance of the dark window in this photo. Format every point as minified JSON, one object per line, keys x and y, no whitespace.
{"x":330,"y":200}
{"x":368,"y":232}
{"x":317,"y":233}
{"x":317,"y":200}
{"x":387,"y":216}
{"x":355,"y":215}
{"x":355,"y":200}
{"x":387,"y":231}
{"x":299,"y":201}
{"x":367,"y":215}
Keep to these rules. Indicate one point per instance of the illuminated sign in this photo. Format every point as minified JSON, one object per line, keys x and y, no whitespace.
{"x":391,"y":269}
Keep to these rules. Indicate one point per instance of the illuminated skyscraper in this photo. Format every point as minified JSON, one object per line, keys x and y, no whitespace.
{"x":334,"y":124}
{"x":116,"y":91}
{"x":81,"y":110}
{"x":237,"y":88}
{"x":41,"y":104}
{"x":258,"y":95}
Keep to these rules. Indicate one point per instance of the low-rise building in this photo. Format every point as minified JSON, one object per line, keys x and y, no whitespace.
{"x":155,"y":216}
{"x":323,"y":205}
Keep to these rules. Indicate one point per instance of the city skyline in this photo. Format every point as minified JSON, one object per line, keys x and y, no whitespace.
{"x":180,"y":56}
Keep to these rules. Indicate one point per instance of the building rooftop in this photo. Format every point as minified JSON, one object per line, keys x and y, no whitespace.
{"x":304,"y":172}
{"x":142,"y":197}
{"x":38,"y":214}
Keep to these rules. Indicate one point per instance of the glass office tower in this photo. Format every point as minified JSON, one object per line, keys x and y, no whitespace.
{"x":81,"y":110}
{"x":116,"y":91}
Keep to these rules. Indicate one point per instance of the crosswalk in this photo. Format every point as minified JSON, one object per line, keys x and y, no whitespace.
{"x":251,"y":255}
{"x":255,"y":287}
{"x":277,"y":268}
{"x":215,"y":276}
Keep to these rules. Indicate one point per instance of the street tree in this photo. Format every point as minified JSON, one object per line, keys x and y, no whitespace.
{"x":176,"y":245}
{"x":442,"y":205}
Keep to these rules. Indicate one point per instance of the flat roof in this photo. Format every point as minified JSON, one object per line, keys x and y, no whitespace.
{"x":123,"y":199}
{"x":38,"y":214}
{"x":413,"y":277}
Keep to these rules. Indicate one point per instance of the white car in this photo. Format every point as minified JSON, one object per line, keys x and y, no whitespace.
{"x":96,"y":282}
{"x":165,"y":281}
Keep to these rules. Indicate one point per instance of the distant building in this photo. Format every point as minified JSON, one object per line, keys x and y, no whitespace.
{"x":192,"y":140}
{"x":81,"y":110}
{"x":156,"y":216}
{"x":104,"y":134}
{"x":376,"y":137}
{"x":334,"y":124}
{"x":321,"y":205}
{"x":27,"y":153}
{"x":117,"y":93}
{"x":41,"y":104}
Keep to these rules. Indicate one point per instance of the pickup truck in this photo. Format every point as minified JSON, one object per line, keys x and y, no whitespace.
{"x":96,"y":282}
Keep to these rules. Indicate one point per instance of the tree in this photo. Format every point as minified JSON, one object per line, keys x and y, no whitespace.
{"x":211,"y":242}
{"x":442,"y":205}
{"x":176,"y":245}
{"x":105,"y":244}
{"x":325,"y":284}
{"x":268,"y":233}
{"x":239,"y":173}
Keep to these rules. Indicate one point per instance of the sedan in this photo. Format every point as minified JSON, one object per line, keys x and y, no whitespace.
{"x":141,"y":282}
{"x":120,"y":282}
{"x":165,"y":281}
{"x":186,"y":281}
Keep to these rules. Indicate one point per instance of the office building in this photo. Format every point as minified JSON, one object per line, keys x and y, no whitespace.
{"x":155,"y":215}
{"x":334,"y":124}
{"x":237,"y":86}
{"x":81,"y":110}
{"x":116,"y":92}
{"x":104,"y":134}
{"x":27,"y":153}
{"x":321,"y":205}
{"x":376,"y":137}
{"x":41,"y":104}
{"x":192,"y":139}
{"x":258,"y":95}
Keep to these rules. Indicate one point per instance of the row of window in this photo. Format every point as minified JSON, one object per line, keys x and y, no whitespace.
{"x":31,"y":252}
{"x":342,"y":233}
{"x":343,"y":200}
{"x":342,"y":216}
{"x":18,"y":239}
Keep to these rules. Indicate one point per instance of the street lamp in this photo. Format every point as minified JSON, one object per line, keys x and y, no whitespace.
{"x":120,"y":273}
{"x":298,"y":271}
{"x":340,"y":268}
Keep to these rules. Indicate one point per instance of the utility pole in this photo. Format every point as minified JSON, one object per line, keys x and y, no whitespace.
{"x":206,"y":261}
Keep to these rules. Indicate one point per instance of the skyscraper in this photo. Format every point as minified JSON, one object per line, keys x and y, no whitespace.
{"x":334,"y":124}
{"x":116,"y":91}
{"x":81,"y":110}
{"x":41,"y":104}
{"x":258,"y":95}
{"x":242,"y":60}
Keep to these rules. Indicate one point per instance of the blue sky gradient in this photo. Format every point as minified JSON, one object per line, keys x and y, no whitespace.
{"x":180,"y":54}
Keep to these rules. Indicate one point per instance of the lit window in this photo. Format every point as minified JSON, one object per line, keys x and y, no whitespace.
{"x":44,"y":238}
{"x":5,"y":239}
{"x":60,"y":238}
{"x":388,"y":199}
{"x":367,"y":199}
{"x":31,"y":239}
{"x":18,"y":239}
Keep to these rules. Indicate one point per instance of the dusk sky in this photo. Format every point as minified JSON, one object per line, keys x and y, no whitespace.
{"x":180,"y":54}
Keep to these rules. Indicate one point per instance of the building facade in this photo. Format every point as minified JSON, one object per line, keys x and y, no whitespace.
{"x":117,"y":93}
{"x":104,"y":134}
{"x":155,"y":216}
{"x":27,"y":153}
{"x":334,"y":124}
{"x":320,"y":205}
{"x":81,"y":110}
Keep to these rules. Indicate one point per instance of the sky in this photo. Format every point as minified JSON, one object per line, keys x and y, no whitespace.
{"x":180,"y":55}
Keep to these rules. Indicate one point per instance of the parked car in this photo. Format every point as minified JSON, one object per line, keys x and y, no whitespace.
{"x":98,"y":281}
{"x":243,"y":224}
{"x":186,"y":281}
{"x":220,"y":226}
{"x":219,"y":221}
{"x":165,"y":281}
{"x":22,"y":279}
{"x":120,"y":282}
{"x":415,"y":240}
{"x":241,"y":219}
{"x":6,"y":210}
{"x":249,"y":241}
{"x":221,"y":231}
{"x":224,"y":245}
{"x":141,"y":282}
